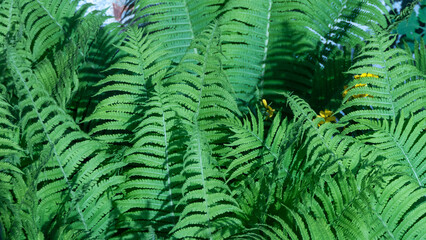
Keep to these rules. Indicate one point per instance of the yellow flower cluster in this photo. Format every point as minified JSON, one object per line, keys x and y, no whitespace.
{"x":268,"y":108}
{"x":356,"y":85}
{"x":359,"y":85}
{"x":365,"y":75}
{"x":326,"y":114}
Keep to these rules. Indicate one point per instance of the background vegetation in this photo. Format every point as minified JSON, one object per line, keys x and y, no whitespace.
{"x":212,"y":119}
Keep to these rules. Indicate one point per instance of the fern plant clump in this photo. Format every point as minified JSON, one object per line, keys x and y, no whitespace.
{"x":206,"y":119}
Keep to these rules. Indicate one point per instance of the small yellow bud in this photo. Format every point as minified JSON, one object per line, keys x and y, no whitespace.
{"x":326,"y":114}
{"x":268,"y":108}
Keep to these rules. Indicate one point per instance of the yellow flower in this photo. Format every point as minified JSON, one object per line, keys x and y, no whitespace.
{"x":359,"y":85}
{"x":372,"y":75}
{"x":326,"y":114}
{"x":345,"y":90}
{"x":366,"y":75}
{"x":268,"y":108}
{"x":356,"y":85}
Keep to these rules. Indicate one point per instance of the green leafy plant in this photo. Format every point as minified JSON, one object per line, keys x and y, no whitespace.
{"x":274,"y":119}
{"x":414,"y":27}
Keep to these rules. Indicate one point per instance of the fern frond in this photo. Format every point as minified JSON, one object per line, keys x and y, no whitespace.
{"x":402,"y":140}
{"x":210,"y":211}
{"x":20,"y":220}
{"x":9,"y":174}
{"x":250,"y":147}
{"x":9,"y":132}
{"x":118,"y":132}
{"x":61,"y":149}
{"x":58,"y":71}
{"x":176,"y":23}
{"x":340,"y":204}
{"x":397,"y":144}
{"x":399,"y":211}
{"x":337,"y":22}
{"x":325,"y":141}
{"x":327,"y":150}
{"x":154,"y":184}
{"x":291,"y":49}
{"x":59,"y":76}
{"x":200,"y":85}
{"x":44,"y":22}
{"x":420,"y":55}
{"x":12,"y":185}
{"x":247,"y":33}
{"x":8,"y":18}
{"x":335,"y":208}
{"x":124,"y":94}
{"x":101,"y":55}
{"x":399,"y":84}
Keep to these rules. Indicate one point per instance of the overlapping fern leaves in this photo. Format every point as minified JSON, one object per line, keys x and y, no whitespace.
{"x":137,"y":72}
{"x":155,"y":163}
{"x":61,"y":147}
{"x":176,"y":23}
{"x":399,"y":84}
{"x":209,"y":209}
{"x":45,"y":24}
{"x":394,"y":107}
{"x":154,"y":130}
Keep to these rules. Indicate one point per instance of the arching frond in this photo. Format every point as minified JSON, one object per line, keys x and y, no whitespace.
{"x":399,"y":210}
{"x":393,"y":84}
{"x":251,"y":147}
{"x":101,"y":55}
{"x":66,"y":158}
{"x":289,"y":65}
{"x":334,"y":207}
{"x":344,"y":177}
{"x":153,"y":189}
{"x":200,"y":85}
{"x":9,"y":132}
{"x":8,"y":18}
{"x":326,"y":144}
{"x":176,"y":23}
{"x":124,"y":93}
{"x":402,"y":140}
{"x":10,"y":154}
{"x":59,"y":76}
{"x":337,"y":22}
{"x":45,"y":24}
{"x":335,"y":203}
{"x":420,"y":56}
{"x":247,"y":32}
{"x":209,"y":210}
{"x":151,"y":128}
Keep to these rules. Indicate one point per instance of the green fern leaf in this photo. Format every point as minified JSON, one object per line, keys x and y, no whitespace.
{"x":153,"y":187}
{"x":247,"y":33}
{"x":61,"y":149}
{"x":398,"y":212}
{"x":200,"y":85}
{"x":115,"y":112}
{"x":177,"y":23}
{"x":250,"y":149}
{"x":336,"y":22}
{"x":210,"y":211}
{"x":8,"y":18}
{"x":398,"y":85}
{"x":402,"y":140}
{"x":44,"y":23}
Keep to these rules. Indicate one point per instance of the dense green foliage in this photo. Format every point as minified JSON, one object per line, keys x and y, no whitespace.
{"x":156,"y":129}
{"x":413,"y":27}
